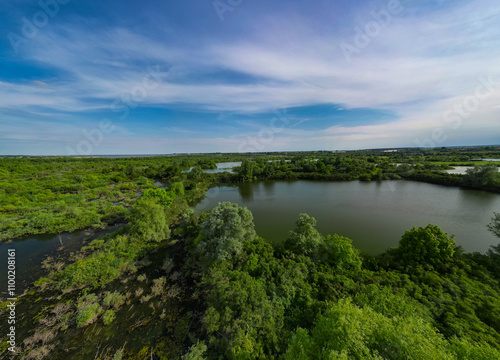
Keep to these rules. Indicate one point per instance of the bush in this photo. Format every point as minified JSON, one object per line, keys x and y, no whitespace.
{"x":159,"y":195}
{"x":148,"y":221}
{"x":158,"y":286}
{"x":108,"y":317}
{"x":88,"y":314}
{"x":114,"y":299}
{"x":176,"y":189}
{"x":196,"y":352}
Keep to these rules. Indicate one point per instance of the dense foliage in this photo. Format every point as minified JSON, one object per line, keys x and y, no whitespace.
{"x":172,"y":284}
{"x":328,"y":304}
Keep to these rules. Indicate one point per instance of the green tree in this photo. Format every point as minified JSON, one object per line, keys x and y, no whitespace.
{"x":176,"y":189}
{"x":346,"y":331}
{"x":339,"y":253}
{"x":161,"y":196}
{"x":196,"y":352}
{"x":148,"y":221}
{"x":304,"y":239}
{"x":429,"y":245}
{"x":482,"y":175}
{"x":246,"y":170}
{"x":225,"y":230}
{"x":195,"y":174}
{"x":269,"y":171}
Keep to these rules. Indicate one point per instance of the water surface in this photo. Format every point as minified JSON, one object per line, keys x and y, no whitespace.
{"x":224,"y":167}
{"x":32,"y":250}
{"x":374,"y":215}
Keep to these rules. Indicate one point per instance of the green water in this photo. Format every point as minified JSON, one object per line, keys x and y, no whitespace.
{"x":374,"y":215}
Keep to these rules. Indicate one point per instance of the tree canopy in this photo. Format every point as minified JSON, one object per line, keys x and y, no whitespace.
{"x":304,"y":239}
{"x":148,"y":221}
{"x":225,"y":230}
{"x":339,"y":253}
{"x":429,"y":245}
{"x":483,"y":175}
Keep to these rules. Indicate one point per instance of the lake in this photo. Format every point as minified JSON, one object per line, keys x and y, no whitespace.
{"x":374,"y":215}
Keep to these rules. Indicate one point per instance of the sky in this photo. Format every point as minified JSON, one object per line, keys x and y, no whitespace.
{"x":159,"y":77}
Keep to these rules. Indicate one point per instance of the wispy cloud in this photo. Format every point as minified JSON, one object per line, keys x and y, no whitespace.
{"x":429,"y":58}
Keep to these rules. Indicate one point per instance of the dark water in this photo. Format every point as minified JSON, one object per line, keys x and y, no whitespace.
{"x":374,"y":215}
{"x":32,"y":250}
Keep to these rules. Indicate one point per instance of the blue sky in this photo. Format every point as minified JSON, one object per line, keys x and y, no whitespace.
{"x":154,"y":77}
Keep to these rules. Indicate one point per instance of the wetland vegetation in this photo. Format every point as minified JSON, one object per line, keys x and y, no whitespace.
{"x":174,"y":283}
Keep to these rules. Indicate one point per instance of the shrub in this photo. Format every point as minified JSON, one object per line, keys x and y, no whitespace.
{"x":176,"y":189}
{"x":108,"y":317}
{"x":139,"y":292}
{"x":148,"y":221}
{"x":161,"y":196}
{"x":158,"y":286}
{"x":88,"y":314}
{"x":114,"y":299}
{"x":168,"y":265}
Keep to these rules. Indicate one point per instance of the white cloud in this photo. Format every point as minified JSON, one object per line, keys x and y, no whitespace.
{"x":417,"y":68}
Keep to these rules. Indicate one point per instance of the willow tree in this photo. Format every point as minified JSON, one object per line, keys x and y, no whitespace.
{"x":223,"y":233}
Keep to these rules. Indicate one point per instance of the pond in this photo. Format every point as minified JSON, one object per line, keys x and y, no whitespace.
{"x":374,"y":215}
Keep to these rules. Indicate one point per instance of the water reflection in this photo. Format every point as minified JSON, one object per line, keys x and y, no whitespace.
{"x":246,"y":191}
{"x":374,"y":215}
{"x":269,"y":188}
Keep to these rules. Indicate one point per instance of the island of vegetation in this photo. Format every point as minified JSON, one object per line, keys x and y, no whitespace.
{"x":174,"y":284}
